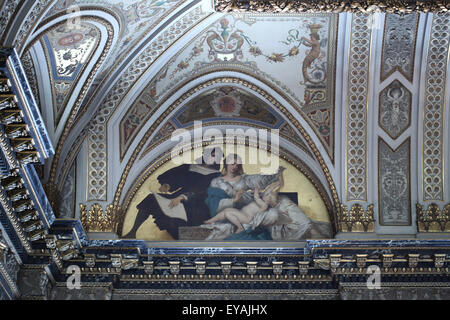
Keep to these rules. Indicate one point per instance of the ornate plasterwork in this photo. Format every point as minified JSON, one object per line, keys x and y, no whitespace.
{"x":144,"y":141}
{"x":65,"y":167}
{"x":38,"y":10}
{"x":6,"y":13}
{"x":357,"y":219}
{"x":395,"y":109}
{"x":239,"y":43}
{"x":68,"y":52}
{"x":81,"y":94}
{"x":357,"y":95}
{"x":399,"y":44}
{"x":433,"y":108}
{"x":394,"y":196}
{"x":336,"y":6}
{"x":97,"y":159}
{"x":225,"y":103}
{"x":253,"y":113}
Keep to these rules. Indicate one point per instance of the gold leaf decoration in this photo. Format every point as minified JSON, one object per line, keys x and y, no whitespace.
{"x":356,"y":219}
{"x":99,"y":220}
{"x":433,"y":219}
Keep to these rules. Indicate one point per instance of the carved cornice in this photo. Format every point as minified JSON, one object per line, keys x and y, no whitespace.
{"x":335,"y":6}
{"x":356,"y":219}
{"x":433,"y":219}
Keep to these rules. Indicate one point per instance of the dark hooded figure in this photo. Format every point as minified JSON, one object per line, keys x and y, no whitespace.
{"x":185,"y":186}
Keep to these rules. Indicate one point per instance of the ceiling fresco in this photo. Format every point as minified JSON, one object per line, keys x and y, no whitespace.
{"x":222,"y":105}
{"x":226,"y":104}
{"x":68,"y":52}
{"x":300,"y":61}
{"x":136,"y":19}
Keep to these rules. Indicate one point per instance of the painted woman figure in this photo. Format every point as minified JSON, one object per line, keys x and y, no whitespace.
{"x":284,"y":220}
{"x":235,"y":189}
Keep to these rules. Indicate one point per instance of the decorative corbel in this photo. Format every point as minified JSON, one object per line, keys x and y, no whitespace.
{"x":387,"y":260}
{"x":277,"y":267}
{"x":174,"y":267}
{"x":252,"y":267}
{"x":226,"y":267}
{"x":439,"y":259}
{"x":200,"y":267}
{"x":361,"y":260}
{"x":335,"y":261}
{"x":303,"y":267}
{"x":413,"y":259}
{"x":148,"y":267}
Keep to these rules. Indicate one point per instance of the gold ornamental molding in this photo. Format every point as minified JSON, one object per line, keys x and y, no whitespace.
{"x":433,"y":219}
{"x":335,"y":6}
{"x":356,"y":219}
{"x":98,"y":220}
